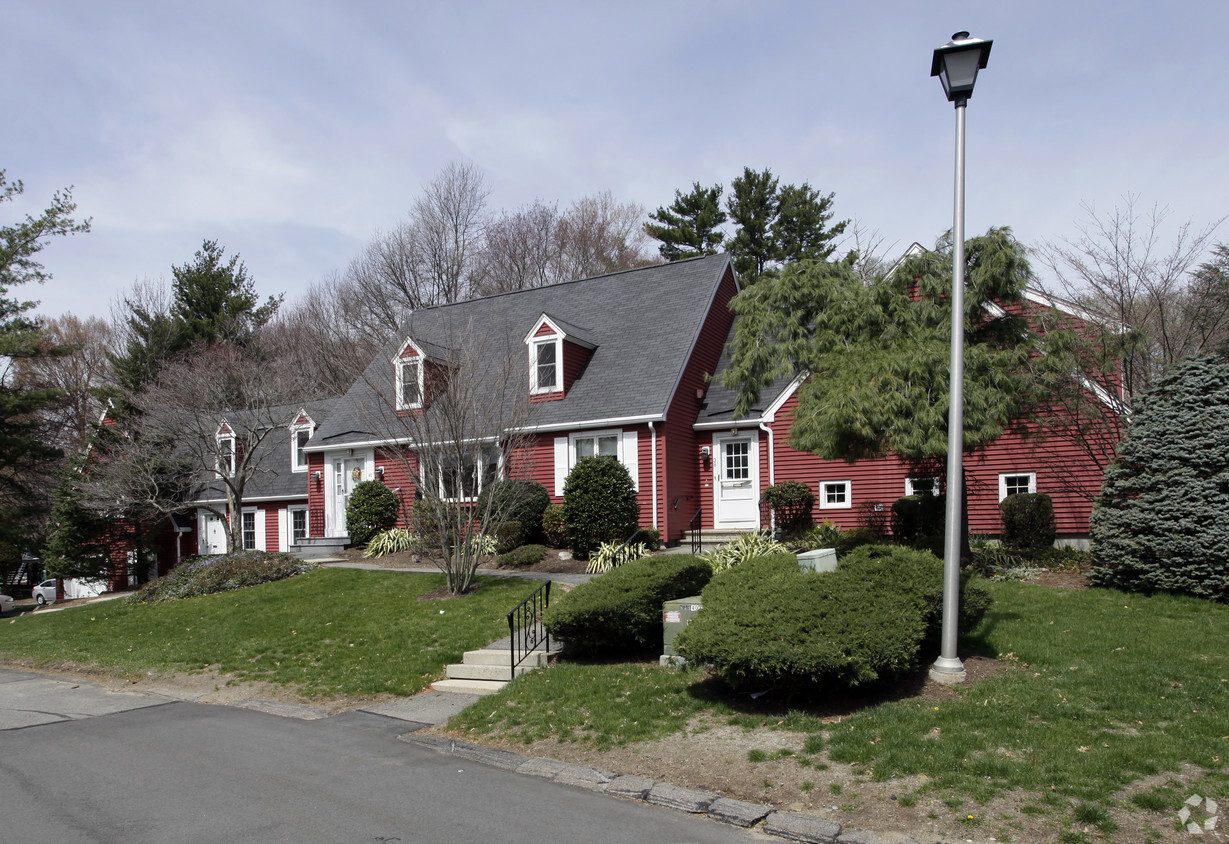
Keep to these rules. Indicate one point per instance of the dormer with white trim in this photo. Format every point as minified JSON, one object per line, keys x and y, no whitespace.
{"x":301,"y":430}
{"x":226,"y":444}
{"x":408,"y":380}
{"x":557,"y":354}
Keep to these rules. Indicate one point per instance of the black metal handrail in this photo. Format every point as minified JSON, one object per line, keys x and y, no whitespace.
{"x":694,"y":526}
{"x":525,"y":626}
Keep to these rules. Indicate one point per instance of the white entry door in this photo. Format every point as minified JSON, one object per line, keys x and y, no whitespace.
{"x":347,"y":473}
{"x":736,"y":487}
{"x":212,"y":534}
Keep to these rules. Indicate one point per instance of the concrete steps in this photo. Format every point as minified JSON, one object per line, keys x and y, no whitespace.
{"x":485,"y":671}
{"x":709,"y":539}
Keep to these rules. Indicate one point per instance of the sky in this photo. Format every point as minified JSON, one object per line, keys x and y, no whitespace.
{"x":292,"y":131}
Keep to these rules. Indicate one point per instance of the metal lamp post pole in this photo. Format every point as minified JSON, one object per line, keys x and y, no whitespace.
{"x":948,"y":668}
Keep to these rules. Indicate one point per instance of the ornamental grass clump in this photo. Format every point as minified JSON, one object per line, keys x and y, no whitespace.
{"x":206,"y":575}
{"x":391,"y":541}
{"x":611,"y":554}
{"x":765,"y":624}
{"x":619,"y":613}
{"x":747,"y":546}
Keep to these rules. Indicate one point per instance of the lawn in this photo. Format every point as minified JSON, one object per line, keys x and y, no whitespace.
{"x":1107,"y":694}
{"x":324,"y":633}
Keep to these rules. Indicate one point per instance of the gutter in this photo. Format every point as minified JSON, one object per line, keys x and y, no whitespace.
{"x":653,"y":431}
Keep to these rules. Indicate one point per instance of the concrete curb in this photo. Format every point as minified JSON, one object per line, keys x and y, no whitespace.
{"x":794,"y":826}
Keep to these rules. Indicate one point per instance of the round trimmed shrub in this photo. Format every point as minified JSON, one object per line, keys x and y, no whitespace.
{"x":1028,"y":520}
{"x":619,"y":613}
{"x":766,"y":624}
{"x":552,"y":527}
{"x":372,"y":508}
{"x":515,"y":500}
{"x":1160,"y":523}
{"x":599,"y":504}
{"x":791,"y":503}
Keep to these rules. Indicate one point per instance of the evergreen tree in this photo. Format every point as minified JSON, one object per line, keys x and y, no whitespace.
{"x":76,"y":533}
{"x":1160,"y":524}
{"x":215,"y":299}
{"x":25,"y":458}
{"x":753,"y":206}
{"x":689,"y":227}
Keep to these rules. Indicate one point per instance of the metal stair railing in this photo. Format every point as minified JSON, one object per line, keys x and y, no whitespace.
{"x":525,"y":626}
{"x":694,"y":525}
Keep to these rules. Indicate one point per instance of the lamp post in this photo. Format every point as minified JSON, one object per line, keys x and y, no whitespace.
{"x":956,"y":64}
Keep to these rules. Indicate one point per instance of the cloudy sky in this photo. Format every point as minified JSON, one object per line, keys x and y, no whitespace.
{"x":291,"y":131}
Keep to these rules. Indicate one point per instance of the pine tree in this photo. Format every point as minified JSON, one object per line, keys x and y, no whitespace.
{"x":1160,"y":522}
{"x":215,"y":299}
{"x":690,"y":226}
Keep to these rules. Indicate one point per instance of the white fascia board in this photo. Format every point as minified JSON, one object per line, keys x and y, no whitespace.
{"x":750,"y":421}
{"x":259,"y":499}
{"x":586,"y":423}
{"x":769,"y":414}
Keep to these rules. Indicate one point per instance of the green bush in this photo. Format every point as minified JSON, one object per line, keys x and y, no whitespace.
{"x":766,"y":624}
{"x":508,"y":535}
{"x":206,"y":575}
{"x":1160,"y":522}
{"x":599,"y":504}
{"x":515,"y":500}
{"x":619,"y":613}
{"x":523,"y":557}
{"x":791,"y":503}
{"x":371,"y":509}
{"x":918,"y":518}
{"x":856,"y":538}
{"x":1028,"y":520}
{"x":552,"y":527}
{"x":650,"y":537}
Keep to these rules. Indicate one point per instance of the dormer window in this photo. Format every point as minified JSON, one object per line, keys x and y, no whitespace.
{"x":408,"y":366}
{"x":300,"y":435}
{"x":226,"y":453}
{"x":545,"y":373}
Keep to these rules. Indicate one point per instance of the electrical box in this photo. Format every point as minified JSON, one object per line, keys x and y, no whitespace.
{"x":822,"y":559}
{"x":675,"y":616}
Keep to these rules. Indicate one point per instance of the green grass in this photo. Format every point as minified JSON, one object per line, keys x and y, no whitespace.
{"x":325,"y":633}
{"x":1108,"y":688}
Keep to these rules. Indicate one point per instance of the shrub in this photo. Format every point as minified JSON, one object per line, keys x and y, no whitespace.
{"x":508,"y":535}
{"x":619,"y":613}
{"x":874,"y":516}
{"x":791,"y":503}
{"x":552,"y":527}
{"x":515,"y":500}
{"x":523,"y":557}
{"x":1160,"y":521}
{"x":599,"y":504}
{"x":391,"y":541}
{"x":206,"y":575}
{"x":856,"y":538}
{"x":766,"y":624}
{"x":372,"y":508}
{"x":650,"y":537}
{"x":1028,"y":521}
{"x":918,"y":518}
{"x":611,"y":554}
{"x":746,"y":547}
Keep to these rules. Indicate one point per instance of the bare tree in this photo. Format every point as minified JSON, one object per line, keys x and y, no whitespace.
{"x":599,"y":235}
{"x":1121,"y":270}
{"x":521,"y":251}
{"x":456,"y":421}
{"x":867,"y":245}
{"x":197,"y":433}
{"x":76,"y":371}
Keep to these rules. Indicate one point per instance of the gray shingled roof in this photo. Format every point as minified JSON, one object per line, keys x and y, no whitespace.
{"x":274,"y":478}
{"x":643,"y":323}
{"x":718,"y":404}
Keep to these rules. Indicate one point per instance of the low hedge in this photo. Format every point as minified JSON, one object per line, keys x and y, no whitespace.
{"x":526,"y":555}
{"x":765,"y":624}
{"x":197,"y":576}
{"x":619,"y":613}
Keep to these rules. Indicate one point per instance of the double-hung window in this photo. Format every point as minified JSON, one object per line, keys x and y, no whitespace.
{"x":461,"y":476}
{"x":299,"y":438}
{"x":226,"y":455}
{"x":545,"y":365}
{"x":922,"y":486}
{"x":596,"y":445}
{"x":298,"y":525}
{"x":249,"y":530}
{"x":409,"y":383}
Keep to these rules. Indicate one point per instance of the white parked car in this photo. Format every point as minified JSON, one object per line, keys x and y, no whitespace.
{"x":45,"y":592}
{"x":6,"y":604}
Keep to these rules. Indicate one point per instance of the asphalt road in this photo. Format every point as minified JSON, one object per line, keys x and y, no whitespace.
{"x":81,"y":764}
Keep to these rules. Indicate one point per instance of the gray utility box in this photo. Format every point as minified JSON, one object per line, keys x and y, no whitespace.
{"x":823,"y":559}
{"x":675,"y":616}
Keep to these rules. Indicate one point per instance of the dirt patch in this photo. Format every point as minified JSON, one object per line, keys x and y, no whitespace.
{"x":1060,"y":579}
{"x":555,"y":562}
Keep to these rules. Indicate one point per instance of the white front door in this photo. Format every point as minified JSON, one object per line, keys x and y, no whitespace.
{"x":211,"y":534}
{"x":347,"y":473}
{"x":736,"y":487}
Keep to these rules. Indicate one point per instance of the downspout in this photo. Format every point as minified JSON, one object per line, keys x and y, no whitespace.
{"x":653,"y":431}
{"x":772,"y":472}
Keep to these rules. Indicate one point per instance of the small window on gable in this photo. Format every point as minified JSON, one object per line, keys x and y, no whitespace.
{"x":300,"y":435}
{"x":226,"y":455}
{"x":1018,"y":483}
{"x":409,"y":383}
{"x":835,"y":495}
{"x":545,"y":371}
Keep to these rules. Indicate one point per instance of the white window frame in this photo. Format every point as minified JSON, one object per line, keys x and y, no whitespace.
{"x":229,"y":457}
{"x":847,"y":504}
{"x":616,"y":433}
{"x":243,"y":532}
{"x":401,"y":366}
{"x":936,"y":485}
{"x":626,"y":452}
{"x":291,"y":512}
{"x":534,"y":386}
{"x":295,"y":451}
{"x":1032,"y":482}
{"x":436,"y":475}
